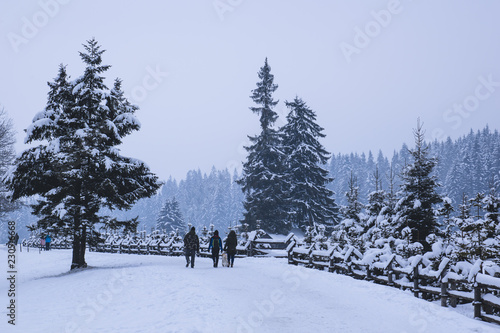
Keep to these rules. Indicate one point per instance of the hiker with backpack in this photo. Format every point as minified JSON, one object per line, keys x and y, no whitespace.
{"x":216,"y":246}
{"x":230,"y":247}
{"x":191,"y":246}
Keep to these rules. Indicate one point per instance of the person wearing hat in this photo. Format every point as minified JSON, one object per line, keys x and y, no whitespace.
{"x":216,"y":246}
{"x":191,"y":246}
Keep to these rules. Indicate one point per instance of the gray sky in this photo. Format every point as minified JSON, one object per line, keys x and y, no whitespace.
{"x":367,"y":68}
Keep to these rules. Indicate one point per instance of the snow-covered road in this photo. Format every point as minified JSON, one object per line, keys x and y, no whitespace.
{"x":131,"y":293}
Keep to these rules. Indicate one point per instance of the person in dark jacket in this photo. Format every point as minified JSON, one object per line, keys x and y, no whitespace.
{"x":191,"y":246}
{"x":216,"y":246}
{"x":230,"y":247}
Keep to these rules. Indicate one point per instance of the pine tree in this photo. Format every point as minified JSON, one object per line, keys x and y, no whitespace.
{"x":354,"y":207}
{"x":415,"y":208}
{"x":262,"y":181}
{"x":449,"y":226}
{"x":218,"y":200}
{"x":77,"y":169}
{"x":350,"y":228}
{"x":491,"y":227}
{"x":375,"y":222}
{"x":309,"y":200}
{"x":479,"y":232}
{"x":7,"y":156}
{"x":170,"y":217}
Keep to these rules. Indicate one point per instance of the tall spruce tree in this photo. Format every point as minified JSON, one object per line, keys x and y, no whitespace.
{"x":263,"y":173}
{"x":309,"y":200}
{"x":77,"y":169}
{"x":418,"y":190}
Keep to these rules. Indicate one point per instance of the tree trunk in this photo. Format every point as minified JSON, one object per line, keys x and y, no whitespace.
{"x":79,"y":242}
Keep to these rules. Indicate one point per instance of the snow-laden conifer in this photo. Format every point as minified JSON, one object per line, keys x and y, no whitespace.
{"x":263,"y":179}
{"x":77,"y":168}
{"x":309,"y":200}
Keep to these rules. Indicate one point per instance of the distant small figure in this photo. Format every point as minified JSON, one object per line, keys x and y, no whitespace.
{"x":191,"y":246}
{"x":42,"y":243}
{"x":230,"y":247}
{"x":216,"y":246}
{"x":47,"y":242}
{"x":16,"y":238}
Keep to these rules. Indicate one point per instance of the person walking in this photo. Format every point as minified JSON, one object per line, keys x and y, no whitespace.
{"x":216,"y":246}
{"x":47,"y":242}
{"x":42,"y":243}
{"x":191,"y":246}
{"x":230,"y":247}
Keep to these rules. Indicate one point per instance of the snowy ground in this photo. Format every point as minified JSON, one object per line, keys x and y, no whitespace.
{"x":132,"y":293}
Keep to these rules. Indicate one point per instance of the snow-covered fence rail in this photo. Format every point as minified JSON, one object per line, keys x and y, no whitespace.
{"x":259,"y":244}
{"x":437,"y":279}
{"x":333,"y":259}
{"x":58,"y":243}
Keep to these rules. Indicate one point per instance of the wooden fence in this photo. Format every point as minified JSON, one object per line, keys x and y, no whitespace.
{"x":172,"y":246}
{"x":479,"y":284}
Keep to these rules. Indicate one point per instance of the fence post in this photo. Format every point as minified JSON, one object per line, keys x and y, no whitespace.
{"x":331,"y":267}
{"x":444,"y":286}
{"x":415,"y":281}
{"x":390,"y":281}
{"x":290,"y":252}
{"x":453,"y":300}
{"x":444,"y":293}
{"x":477,"y":300}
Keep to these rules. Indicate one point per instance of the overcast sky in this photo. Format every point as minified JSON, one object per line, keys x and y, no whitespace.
{"x":367,"y":68}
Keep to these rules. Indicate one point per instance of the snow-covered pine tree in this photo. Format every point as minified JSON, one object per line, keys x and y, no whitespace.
{"x":77,"y":169}
{"x":309,"y":201}
{"x":7,"y":156}
{"x":237,"y":198}
{"x":263,"y":172}
{"x":350,"y":227}
{"x":479,"y":233}
{"x":491,"y":227}
{"x":462,"y":239}
{"x":447,"y":232}
{"x":162,"y":222}
{"x":375,"y":222}
{"x":170,"y":217}
{"x":354,"y":207}
{"x":418,"y":192}
{"x":217,"y":204}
